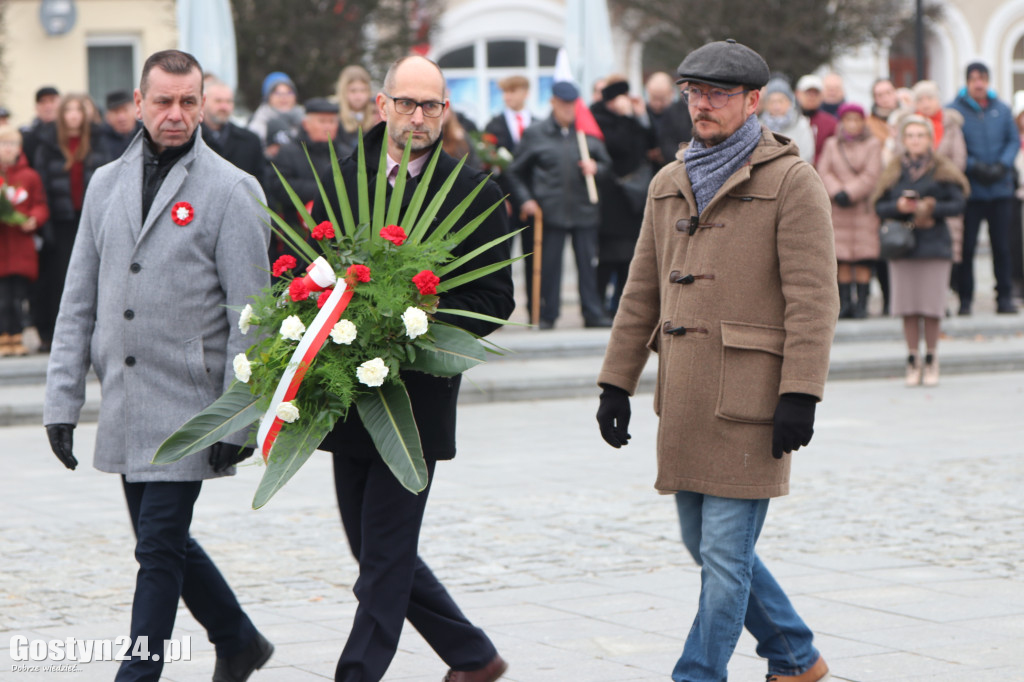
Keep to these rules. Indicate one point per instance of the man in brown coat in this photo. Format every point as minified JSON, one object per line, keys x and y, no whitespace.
{"x":733,"y":285}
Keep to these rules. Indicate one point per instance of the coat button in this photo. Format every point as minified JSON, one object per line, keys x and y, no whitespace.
{"x":135,"y":267}
{"x":129,"y":314}
{"x":130,"y":361}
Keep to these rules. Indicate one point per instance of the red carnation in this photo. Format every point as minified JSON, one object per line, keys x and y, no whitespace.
{"x":322,"y":298}
{"x":297,"y":289}
{"x":324,"y":230}
{"x":360,"y":272}
{"x":490,"y":138}
{"x":283,"y":264}
{"x":394,"y":234}
{"x":426,"y":282}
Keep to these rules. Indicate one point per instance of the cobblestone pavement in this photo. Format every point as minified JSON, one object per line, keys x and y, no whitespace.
{"x":901,"y":545}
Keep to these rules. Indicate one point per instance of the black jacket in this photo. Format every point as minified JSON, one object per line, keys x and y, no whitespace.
{"x":294,"y":166}
{"x":111,"y":143}
{"x":546,"y":169}
{"x":624,"y":190}
{"x":935,"y":241}
{"x":49,"y":163}
{"x":672,"y":128}
{"x":239,"y":146}
{"x":433,"y":398}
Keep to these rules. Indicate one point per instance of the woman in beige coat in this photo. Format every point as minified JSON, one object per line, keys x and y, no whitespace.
{"x":850,"y":164}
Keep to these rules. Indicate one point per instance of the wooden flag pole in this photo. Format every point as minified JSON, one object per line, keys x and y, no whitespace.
{"x":538,"y":252}
{"x":581,"y":138}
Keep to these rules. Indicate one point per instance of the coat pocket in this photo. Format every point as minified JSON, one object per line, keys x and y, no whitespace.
{"x":195,"y":361}
{"x":751,"y":372}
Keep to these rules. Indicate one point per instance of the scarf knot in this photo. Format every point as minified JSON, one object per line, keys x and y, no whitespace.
{"x":709,"y":167}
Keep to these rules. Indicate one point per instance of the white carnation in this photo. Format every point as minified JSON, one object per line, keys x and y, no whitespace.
{"x":287,"y":412}
{"x":243,"y":370}
{"x":245,"y":319}
{"x":372,"y":372}
{"x":343,"y":332}
{"x":292,"y":328}
{"x":415,"y":322}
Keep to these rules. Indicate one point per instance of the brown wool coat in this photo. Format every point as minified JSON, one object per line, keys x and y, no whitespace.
{"x":853,"y":166}
{"x":760,"y":315}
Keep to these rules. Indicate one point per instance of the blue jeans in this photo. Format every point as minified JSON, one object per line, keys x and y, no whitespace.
{"x":736,"y":590}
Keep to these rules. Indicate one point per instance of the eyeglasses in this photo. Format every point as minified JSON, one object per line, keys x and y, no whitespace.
{"x":717,"y":98}
{"x":407,"y":107}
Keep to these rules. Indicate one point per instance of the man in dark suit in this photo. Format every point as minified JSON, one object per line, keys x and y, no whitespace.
{"x":381,"y":518}
{"x":508,"y":127}
{"x":669,"y":117}
{"x":119,"y":125}
{"x":238,"y":145}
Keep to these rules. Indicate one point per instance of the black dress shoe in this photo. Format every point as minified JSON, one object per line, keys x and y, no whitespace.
{"x":239,"y":667}
{"x":546,"y":324}
{"x":965,"y":310}
{"x":1006,"y":307}
{"x":598,"y":322}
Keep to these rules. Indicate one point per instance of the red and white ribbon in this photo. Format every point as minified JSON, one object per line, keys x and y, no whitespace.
{"x":320,"y":276}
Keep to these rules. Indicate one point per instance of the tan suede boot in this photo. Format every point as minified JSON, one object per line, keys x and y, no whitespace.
{"x":816,"y":673}
{"x":5,"y":345}
{"x":16,"y":347}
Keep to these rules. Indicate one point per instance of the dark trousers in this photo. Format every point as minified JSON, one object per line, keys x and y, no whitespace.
{"x":584,"y":246}
{"x":53,"y":269}
{"x":382,"y":521}
{"x":171,"y":566}
{"x":998,"y":213}
{"x":13,"y":294}
{"x":614,"y":274}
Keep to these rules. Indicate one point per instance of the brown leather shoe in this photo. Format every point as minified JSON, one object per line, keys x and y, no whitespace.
{"x":489,"y":673}
{"x":816,"y":673}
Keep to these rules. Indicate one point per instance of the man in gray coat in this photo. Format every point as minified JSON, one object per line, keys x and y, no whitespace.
{"x":171,"y":244}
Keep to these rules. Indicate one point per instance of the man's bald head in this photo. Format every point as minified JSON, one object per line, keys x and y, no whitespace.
{"x":660,"y":91}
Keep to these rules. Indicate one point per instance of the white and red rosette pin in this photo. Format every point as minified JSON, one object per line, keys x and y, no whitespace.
{"x":182,"y":213}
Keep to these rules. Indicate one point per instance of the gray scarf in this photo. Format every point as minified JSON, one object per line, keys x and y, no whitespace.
{"x":710,"y":167}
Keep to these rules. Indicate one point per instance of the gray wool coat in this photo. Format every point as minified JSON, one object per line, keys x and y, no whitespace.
{"x":148,"y":306}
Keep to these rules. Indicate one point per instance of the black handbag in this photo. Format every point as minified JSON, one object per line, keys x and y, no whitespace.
{"x":895,"y":238}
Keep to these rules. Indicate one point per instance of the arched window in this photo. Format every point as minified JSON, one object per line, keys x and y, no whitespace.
{"x":473,"y":72}
{"x":1018,"y":65}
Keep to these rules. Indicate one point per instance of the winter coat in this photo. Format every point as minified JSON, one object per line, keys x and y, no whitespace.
{"x":49,"y":163}
{"x":546,"y":169}
{"x":259,"y":122}
{"x":17,"y":248}
{"x":942,"y":190}
{"x":759,"y":312}
{"x":624,"y":189}
{"x":434,"y":399}
{"x":853,"y":166}
{"x":153,"y":306}
{"x":991,"y":136}
{"x":291,"y":161}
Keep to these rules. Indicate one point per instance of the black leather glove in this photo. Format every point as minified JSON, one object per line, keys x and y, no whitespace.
{"x":793,"y":423}
{"x":61,"y":441}
{"x":224,"y":455}
{"x":613,"y":416}
{"x":843,"y":199}
{"x":988,"y":173}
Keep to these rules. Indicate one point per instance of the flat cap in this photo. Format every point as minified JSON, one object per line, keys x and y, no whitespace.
{"x":118,"y":98}
{"x":565,"y":91}
{"x":724,"y":64}
{"x":321,"y":105}
{"x":46,"y":91}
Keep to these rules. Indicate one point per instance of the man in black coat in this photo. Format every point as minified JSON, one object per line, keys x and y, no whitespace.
{"x":669,"y":117}
{"x":119,"y":127}
{"x":381,"y":518}
{"x":238,"y":145}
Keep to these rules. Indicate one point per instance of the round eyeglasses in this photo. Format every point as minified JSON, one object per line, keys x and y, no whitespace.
{"x":716,"y":98}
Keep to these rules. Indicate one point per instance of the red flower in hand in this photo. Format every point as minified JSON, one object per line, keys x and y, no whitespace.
{"x":394,"y":234}
{"x":426,"y":282}
{"x":324,"y":295}
{"x":297,"y":289}
{"x":324,"y":230}
{"x":359,"y":272}
{"x":283,"y":264}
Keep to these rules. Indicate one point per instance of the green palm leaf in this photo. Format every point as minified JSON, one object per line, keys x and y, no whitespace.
{"x":288,"y":233}
{"x":465,"y":258}
{"x":455,"y":351}
{"x":348,"y":223}
{"x":435,"y":205}
{"x":381,"y":189}
{"x":293,"y":447}
{"x":234,"y":410}
{"x":413,"y":212}
{"x":387,"y":414}
{"x":449,"y":222}
{"x":398,"y":193}
{"x":323,"y":193}
{"x":362,"y":188}
{"x":448,"y":284}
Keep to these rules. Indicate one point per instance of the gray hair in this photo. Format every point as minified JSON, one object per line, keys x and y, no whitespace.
{"x":925,"y":89}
